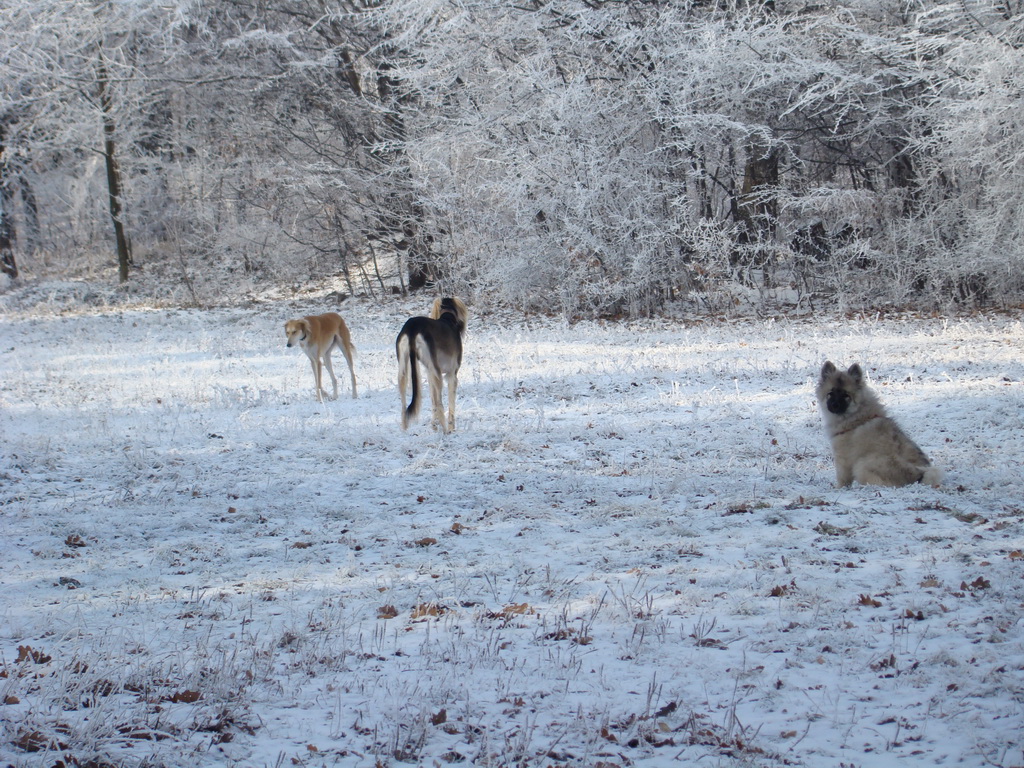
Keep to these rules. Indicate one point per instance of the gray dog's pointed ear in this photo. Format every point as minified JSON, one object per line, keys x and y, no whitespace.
{"x":827,"y":369}
{"x":855,"y":372}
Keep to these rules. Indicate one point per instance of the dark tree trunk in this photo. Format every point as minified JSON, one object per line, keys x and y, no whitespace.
{"x":124,"y":252}
{"x":30,"y":207}
{"x":8,"y":265}
{"x":758,"y":206}
{"x":402,"y":214}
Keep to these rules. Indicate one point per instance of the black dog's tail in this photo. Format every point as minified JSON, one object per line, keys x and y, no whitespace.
{"x":406,"y":348}
{"x":414,"y":405}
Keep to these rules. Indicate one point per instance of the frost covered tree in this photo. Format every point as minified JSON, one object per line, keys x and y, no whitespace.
{"x":294,"y":172}
{"x":537,"y":167}
{"x":602,"y":157}
{"x":79,"y":93}
{"x":232,"y":138}
{"x":329,"y":113}
{"x":966,"y":229}
{"x":579,"y":156}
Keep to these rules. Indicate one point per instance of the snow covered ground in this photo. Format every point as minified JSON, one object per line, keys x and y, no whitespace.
{"x":630,"y":553}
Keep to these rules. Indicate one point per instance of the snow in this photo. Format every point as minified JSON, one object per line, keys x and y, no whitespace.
{"x":630,"y":553}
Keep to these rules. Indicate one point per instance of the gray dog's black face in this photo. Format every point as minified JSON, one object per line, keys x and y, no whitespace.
{"x":837,"y":390}
{"x":837,"y":401}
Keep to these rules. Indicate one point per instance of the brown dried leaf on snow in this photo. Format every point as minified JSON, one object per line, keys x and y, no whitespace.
{"x":426,"y":610}
{"x":781,"y":590}
{"x":185,"y":697}
{"x":979,"y":583}
{"x":25,"y":653}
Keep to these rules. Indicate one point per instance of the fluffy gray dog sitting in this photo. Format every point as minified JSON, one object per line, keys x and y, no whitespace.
{"x":868,"y":446}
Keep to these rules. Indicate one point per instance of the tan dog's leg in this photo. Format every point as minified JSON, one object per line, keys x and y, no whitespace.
{"x":330,"y":370}
{"x":346,"y":350}
{"x":315,"y":364}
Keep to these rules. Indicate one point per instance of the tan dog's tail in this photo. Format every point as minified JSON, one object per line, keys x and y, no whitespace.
{"x":407,"y":373}
{"x":345,"y":342}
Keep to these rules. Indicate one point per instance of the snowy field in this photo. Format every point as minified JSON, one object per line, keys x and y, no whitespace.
{"x":630,"y":553}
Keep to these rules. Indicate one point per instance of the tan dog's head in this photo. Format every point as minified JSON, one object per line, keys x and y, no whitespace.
{"x":296,"y":331}
{"x":451,"y":306}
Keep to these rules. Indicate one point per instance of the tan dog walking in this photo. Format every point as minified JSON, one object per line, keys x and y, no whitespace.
{"x":318,"y":336}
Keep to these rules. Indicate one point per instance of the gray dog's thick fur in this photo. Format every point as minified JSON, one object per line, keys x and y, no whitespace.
{"x":868,"y":446}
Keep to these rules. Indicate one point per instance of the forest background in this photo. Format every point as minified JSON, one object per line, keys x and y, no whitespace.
{"x":585,"y":157}
{"x":631,"y":553}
